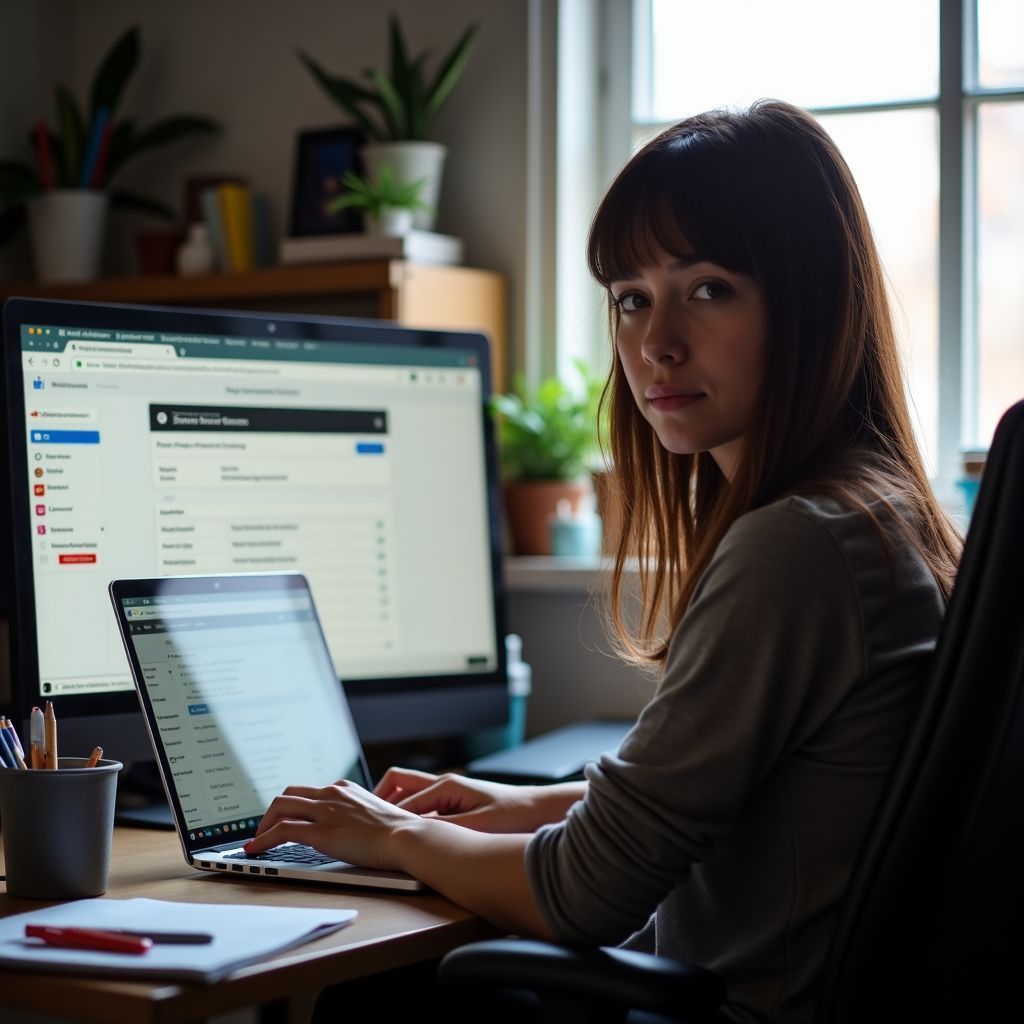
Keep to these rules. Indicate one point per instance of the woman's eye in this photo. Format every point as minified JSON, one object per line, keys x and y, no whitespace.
{"x":712,"y":290}
{"x":630,"y":302}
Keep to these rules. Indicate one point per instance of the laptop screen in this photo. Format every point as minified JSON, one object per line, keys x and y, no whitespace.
{"x":240,"y":695}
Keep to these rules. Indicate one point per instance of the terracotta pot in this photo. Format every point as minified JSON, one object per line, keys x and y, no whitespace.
{"x":530,"y":507}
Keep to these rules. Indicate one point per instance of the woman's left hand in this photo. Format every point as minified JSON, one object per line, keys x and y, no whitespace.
{"x":344,"y":821}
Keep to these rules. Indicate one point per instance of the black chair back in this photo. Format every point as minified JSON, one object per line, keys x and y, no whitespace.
{"x":932,"y":926}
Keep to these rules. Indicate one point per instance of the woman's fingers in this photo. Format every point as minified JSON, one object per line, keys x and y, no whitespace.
{"x":397,"y":783}
{"x":286,"y":830}
{"x":449,"y":795}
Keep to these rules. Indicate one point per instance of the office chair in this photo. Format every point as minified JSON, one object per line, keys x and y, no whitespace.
{"x":931,"y":927}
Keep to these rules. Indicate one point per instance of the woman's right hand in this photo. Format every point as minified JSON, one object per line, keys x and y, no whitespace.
{"x":483,"y":806}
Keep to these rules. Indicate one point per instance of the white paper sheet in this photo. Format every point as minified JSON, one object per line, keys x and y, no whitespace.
{"x":241,"y":935}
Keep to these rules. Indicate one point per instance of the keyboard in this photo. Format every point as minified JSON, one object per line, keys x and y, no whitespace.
{"x":290,"y":853}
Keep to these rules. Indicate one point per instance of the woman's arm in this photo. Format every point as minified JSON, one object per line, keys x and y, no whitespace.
{"x":484,"y":873}
{"x":484,"y":806}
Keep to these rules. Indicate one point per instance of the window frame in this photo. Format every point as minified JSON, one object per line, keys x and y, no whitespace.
{"x":626,"y":76}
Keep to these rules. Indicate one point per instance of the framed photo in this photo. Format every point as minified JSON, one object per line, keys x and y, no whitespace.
{"x":322,"y":157}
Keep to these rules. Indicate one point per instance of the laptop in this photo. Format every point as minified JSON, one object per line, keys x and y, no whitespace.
{"x":241,"y":700}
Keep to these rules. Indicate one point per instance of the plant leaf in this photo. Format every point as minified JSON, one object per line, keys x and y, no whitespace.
{"x":113,"y":74}
{"x":121,"y":142}
{"x":347,"y":94}
{"x":11,"y":219}
{"x":162,"y":133}
{"x":142,"y":204}
{"x":71,"y":134}
{"x":392,"y":105}
{"x":399,"y":58}
{"x":450,"y":73}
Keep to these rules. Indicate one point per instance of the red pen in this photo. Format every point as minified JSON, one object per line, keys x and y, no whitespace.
{"x":88,"y":938}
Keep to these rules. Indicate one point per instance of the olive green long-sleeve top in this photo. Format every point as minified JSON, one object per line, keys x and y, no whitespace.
{"x":725,"y":827}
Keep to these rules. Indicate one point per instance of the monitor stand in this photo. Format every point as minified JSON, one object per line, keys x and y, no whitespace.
{"x":140,"y":798}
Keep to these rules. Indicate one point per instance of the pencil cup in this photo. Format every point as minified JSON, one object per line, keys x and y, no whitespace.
{"x":57,"y":827}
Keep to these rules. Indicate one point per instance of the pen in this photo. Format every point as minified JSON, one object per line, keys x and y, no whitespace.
{"x":43,"y":155}
{"x":49,"y":737}
{"x":155,"y":937}
{"x":93,"y":151}
{"x":88,"y":938}
{"x":14,"y":736}
{"x":8,"y":738}
{"x":35,"y":735}
{"x":6,"y":753}
{"x":94,"y":757}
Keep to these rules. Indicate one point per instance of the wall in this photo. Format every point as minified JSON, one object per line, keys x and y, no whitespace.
{"x":33,"y":40}
{"x":234,"y":60}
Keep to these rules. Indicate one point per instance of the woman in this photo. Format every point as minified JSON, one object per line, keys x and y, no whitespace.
{"x":797,"y":574}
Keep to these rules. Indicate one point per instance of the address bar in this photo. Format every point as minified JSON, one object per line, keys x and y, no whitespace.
{"x":207,"y":608}
{"x":243,"y":368}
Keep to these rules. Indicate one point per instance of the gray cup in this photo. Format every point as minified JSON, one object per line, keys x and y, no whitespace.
{"x":57,"y":827}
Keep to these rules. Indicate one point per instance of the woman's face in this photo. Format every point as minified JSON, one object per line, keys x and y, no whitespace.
{"x":691,"y":338}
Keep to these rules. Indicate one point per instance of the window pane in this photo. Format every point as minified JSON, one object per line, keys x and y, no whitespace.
{"x":732,"y":52}
{"x":1000,"y":262}
{"x":894,"y":159}
{"x":1000,"y":43}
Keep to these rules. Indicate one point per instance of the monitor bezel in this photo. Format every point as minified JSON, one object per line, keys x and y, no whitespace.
{"x":172,"y":319}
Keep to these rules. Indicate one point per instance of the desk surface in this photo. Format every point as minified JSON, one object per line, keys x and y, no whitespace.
{"x":390,"y":931}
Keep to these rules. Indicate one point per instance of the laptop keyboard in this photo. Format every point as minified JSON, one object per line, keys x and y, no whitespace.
{"x":291,"y":853}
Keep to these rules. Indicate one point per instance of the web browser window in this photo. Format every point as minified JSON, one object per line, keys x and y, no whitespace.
{"x":233,"y":736}
{"x":165,"y":454}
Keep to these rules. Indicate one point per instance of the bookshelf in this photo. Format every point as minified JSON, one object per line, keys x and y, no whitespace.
{"x":411,"y":294}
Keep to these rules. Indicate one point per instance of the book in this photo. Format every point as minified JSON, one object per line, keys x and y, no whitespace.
{"x":209,"y":202}
{"x":236,"y":212}
{"x":240,"y":935}
{"x":415,"y":246}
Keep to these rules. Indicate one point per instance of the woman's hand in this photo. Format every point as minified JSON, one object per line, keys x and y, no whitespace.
{"x":473,"y":803}
{"x":344,"y":821}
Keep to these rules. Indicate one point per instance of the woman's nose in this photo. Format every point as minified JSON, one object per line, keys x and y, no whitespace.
{"x":663,"y":342}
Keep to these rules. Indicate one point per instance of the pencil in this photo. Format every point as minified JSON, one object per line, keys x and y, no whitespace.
{"x":12,"y":742}
{"x":36,"y":756}
{"x":49,"y":737}
{"x":94,"y":757}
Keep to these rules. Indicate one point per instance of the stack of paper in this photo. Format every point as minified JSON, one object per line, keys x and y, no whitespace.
{"x":240,"y":936}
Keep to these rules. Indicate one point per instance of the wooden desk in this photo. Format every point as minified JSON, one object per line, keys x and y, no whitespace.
{"x":390,"y":931}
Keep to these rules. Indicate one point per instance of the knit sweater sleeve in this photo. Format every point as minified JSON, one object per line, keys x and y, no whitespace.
{"x":769,"y":647}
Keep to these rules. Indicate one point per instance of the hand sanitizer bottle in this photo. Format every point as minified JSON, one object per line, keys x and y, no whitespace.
{"x":576,"y":535}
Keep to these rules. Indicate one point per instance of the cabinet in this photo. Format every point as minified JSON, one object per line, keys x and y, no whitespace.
{"x":411,"y":294}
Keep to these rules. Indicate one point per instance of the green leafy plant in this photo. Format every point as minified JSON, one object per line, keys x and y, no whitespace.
{"x":386,"y":192}
{"x":69,"y":144}
{"x":550,"y":433}
{"x":399,"y":105}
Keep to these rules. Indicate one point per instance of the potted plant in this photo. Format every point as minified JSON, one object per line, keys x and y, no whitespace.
{"x":388,"y":204}
{"x":396,"y":111}
{"x":548,"y":443}
{"x":65,"y":193}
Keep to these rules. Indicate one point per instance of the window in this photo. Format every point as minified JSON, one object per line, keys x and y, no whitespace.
{"x":925,"y":98}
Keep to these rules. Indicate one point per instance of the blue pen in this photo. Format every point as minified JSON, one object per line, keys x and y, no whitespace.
{"x":93,"y":152}
{"x":6,"y":751}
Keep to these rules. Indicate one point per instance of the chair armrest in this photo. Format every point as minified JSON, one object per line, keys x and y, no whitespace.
{"x":623,"y":977}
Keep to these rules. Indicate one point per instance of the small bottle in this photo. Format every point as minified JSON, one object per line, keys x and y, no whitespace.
{"x":576,"y":535}
{"x":195,"y":254}
{"x":520,"y":683}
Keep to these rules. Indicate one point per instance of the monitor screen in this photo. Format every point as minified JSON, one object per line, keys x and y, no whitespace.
{"x":163,"y":442}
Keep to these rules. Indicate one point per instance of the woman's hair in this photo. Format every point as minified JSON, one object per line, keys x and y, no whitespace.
{"x":765,"y":193}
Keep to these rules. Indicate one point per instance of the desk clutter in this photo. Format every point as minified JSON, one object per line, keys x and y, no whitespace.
{"x":232,"y":937}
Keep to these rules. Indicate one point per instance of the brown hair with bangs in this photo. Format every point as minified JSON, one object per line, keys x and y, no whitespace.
{"x":765,"y":193}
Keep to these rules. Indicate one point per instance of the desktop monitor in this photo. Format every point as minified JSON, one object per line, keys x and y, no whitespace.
{"x":159,"y":442}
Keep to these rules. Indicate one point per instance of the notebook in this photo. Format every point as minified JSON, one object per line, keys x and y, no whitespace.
{"x":241,"y":700}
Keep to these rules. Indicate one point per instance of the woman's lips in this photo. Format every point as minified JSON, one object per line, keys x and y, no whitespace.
{"x":666,"y":399}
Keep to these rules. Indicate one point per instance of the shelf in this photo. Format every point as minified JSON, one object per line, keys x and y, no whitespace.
{"x":411,"y":294}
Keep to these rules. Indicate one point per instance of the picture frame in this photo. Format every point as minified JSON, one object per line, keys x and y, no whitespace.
{"x":322,"y":157}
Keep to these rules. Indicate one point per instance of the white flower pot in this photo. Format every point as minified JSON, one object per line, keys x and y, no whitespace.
{"x":392,"y":223}
{"x":410,"y":161}
{"x":66,"y":230}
